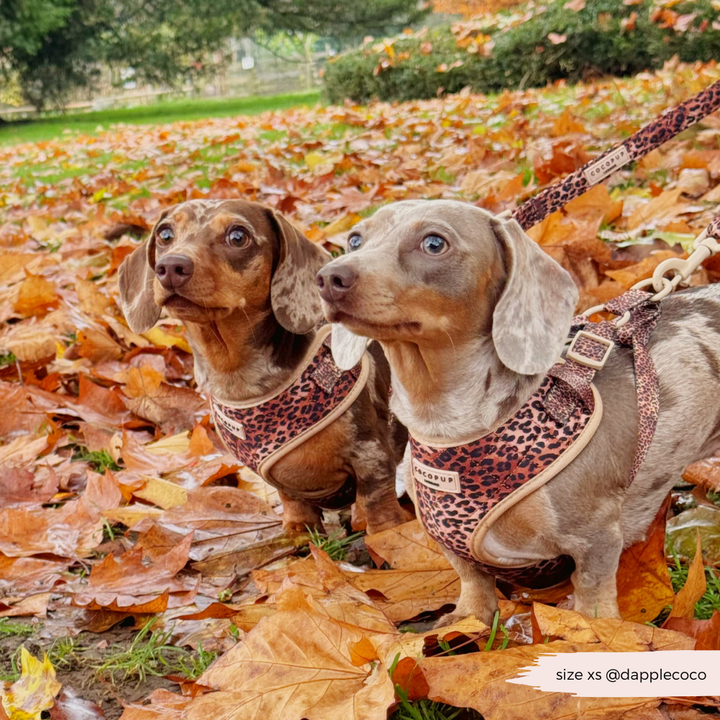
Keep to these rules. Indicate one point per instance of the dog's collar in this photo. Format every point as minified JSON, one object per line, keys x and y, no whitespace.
{"x":259,"y":432}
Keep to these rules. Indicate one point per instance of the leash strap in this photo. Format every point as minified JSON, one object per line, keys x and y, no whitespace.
{"x":588,"y":353}
{"x":666,"y":127}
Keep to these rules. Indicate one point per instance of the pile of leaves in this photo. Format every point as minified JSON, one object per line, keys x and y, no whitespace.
{"x":528,"y":46}
{"x":119,"y":506}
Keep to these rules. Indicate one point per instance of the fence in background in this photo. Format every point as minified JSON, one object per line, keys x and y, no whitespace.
{"x":245,"y":69}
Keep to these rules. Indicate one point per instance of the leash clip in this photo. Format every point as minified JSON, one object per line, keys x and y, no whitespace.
{"x":574,"y":353}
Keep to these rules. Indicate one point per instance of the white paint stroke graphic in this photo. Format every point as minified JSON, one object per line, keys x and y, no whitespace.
{"x":673,"y":673}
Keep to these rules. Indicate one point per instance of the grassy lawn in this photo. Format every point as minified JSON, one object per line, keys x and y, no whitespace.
{"x":55,"y":126}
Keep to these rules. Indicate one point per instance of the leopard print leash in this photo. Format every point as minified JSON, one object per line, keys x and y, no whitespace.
{"x":636,"y":146}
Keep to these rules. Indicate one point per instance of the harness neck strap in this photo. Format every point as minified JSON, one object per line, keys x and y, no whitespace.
{"x":588,"y":353}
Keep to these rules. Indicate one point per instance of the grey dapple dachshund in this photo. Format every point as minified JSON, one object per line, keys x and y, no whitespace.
{"x":471,"y":314}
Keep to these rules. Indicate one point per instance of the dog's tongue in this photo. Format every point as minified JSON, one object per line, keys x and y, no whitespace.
{"x":347,"y":348}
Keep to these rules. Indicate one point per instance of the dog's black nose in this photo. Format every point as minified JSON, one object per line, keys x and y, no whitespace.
{"x":173,"y":271}
{"x":334,"y":281}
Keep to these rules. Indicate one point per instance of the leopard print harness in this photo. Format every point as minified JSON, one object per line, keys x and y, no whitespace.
{"x":461,"y":490}
{"x":260,"y":432}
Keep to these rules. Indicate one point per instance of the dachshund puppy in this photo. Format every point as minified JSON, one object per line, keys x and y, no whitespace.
{"x":241,"y":278}
{"x":472,"y":314}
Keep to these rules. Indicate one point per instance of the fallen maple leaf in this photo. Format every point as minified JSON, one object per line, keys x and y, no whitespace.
{"x":295,"y":664}
{"x":34,"y":692}
{"x":694,"y":587}
{"x":643,"y":581}
{"x":127,"y":584}
{"x":406,"y":547}
{"x":36,"y":296}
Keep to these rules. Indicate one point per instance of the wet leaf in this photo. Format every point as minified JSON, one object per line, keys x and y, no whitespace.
{"x":694,"y":587}
{"x":643,"y":580}
{"x":34,"y":692}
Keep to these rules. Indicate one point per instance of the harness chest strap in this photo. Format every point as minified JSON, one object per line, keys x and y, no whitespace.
{"x":260,"y":432}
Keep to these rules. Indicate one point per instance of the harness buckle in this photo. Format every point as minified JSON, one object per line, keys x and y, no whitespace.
{"x":583,"y":350}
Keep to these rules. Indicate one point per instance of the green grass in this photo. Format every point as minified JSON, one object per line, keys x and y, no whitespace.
{"x":335,"y":546}
{"x":167,"y":111}
{"x":151,"y":653}
{"x":14,"y":629}
{"x":99,"y":460}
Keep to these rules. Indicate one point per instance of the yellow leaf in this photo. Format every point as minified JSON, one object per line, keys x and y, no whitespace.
{"x":162,"y":493}
{"x":314,"y":158}
{"x":171,"y":445}
{"x":34,"y":692}
{"x":161,"y":338}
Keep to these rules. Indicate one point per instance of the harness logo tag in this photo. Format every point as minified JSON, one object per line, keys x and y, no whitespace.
{"x":607,"y":165}
{"x":232,"y":426}
{"x":443,"y":480}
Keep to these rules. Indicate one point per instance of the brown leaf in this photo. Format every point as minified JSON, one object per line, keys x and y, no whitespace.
{"x":97,"y":346}
{"x":36,"y":296}
{"x":406,"y":547}
{"x":705,"y":632}
{"x":18,"y":488}
{"x":127,"y":584}
{"x":566,"y":123}
{"x":295,"y":664}
{"x":552,"y":622}
{"x":704,"y":474}
{"x":152,"y":399}
{"x":694,"y":587}
{"x":27,"y":575}
{"x":479,"y":681}
{"x":643,"y":580}
{"x":163,"y":705}
{"x":628,"y":276}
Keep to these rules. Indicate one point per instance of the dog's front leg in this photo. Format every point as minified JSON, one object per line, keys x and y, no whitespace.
{"x":477,"y":593}
{"x":376,"y":504}
{"x":595,"y":577}
{"x":299,"y":515}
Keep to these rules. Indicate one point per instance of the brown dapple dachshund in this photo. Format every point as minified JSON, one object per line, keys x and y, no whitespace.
{"x":241,"y":278}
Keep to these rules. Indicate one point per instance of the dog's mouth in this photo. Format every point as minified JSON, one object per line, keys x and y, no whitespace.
{"x":180,"y":306}
{"x":370,"y":328}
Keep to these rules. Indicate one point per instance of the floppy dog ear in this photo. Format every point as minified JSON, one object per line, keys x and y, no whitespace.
{"x":135,"y":277}
{"x":532,"y":318}
{"x":294,"y":295}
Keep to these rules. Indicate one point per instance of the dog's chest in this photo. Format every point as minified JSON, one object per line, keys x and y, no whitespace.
{"x":260,"y":433}
{"x":462,"y":489}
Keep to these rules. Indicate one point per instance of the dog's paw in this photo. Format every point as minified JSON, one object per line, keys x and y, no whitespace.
{"x":298,"y":528}
{"x":449,"y":619}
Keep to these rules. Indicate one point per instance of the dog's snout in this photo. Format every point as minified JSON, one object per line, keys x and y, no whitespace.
{"x":173,"y":271}
{"x":334,"y":281}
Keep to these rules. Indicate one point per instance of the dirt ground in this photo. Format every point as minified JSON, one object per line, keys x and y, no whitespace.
{"x":78,"y":670}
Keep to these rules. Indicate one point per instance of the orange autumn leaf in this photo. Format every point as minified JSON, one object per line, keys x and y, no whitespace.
{"x":694,"y":587}
{"x":36,"y":296}
{"x":643,"y":581}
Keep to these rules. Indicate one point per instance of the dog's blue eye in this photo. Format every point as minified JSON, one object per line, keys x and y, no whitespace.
{"x":165,"y":235}
{"x":237,"y":237}
{"x":354,"y":242}
{"x":434,"y":245}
